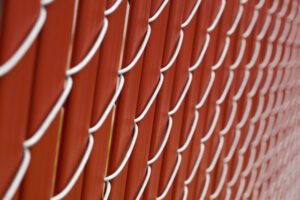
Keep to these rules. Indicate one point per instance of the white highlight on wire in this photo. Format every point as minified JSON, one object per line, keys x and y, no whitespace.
{"x":183,"y":94}
{"x":267,"y":57}
{"x":247,"y":140}
{"x":126,"y":157}
{"x":173,"y":175}
{"x":237,"y":171}
{"x":223,"y":55}
{"x":213,"y":125}
{"x":226,"y":89}
{"x":140,"y":193}
{"x":172,"y":60}
{"x":238,"y":95}
{"x":251,"y":25}
{"x":190,"y":136}
{"x":263,"y":32}
{"x":26,"y":44}
{"x":256,"y":84}
{"x":216,"y":156}
{"x":255,"y":55}
{"x":206,"y":93}
{"x":218,"y":16}
{"x":193,"y":12}
{"x":236,"y":20}
{"x":78,"y":171}
{"x":139,"y":53}
{"x":231,"y":118}
{"x":246,"y":114}
{"x":112,"y":8}
{"x":109,"y":106}
{"x":19,"y":176}
{"x":164,"y":142}
{"x":207,"y":180}
{"x":197,"y":163}
{"x":201,"y":55}
{"x":157,"y":13}
{"x":233,"y":146}
{"x":151,"y":100}
{"x":46,"y":123}
{"x":221,"y":182}
{"x":275,"y":30}
{"x":91,"y":52}
{"x":240,"y":56}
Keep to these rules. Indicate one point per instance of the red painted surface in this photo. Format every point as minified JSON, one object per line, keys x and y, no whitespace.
{"x":51,"y":64}
{"x":78,"y":106}
{"x":164,"y":97}
{"x":18,"y":17}
{"x":128,"y":100}
{"x":105,"y":87}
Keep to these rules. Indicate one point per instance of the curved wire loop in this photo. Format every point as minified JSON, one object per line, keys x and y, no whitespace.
{"x":26,"y":44}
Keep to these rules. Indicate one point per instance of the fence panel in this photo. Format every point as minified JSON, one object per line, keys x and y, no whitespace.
{"x":160,"y":99}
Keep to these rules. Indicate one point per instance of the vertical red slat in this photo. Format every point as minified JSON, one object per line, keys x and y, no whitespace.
{"x":182,"y":76}
{"x":277,"y":73}
{"x":263,"y":53}
{"x":259,"y":147}
{"x":229,"y":103}
{"x":207,"y":112}
{"x":18,"y":18}
{"x":79,"y":104}
{"x":164,"y":97}
{"x":212,"y":145}
{"x":236,"y":84}
{"x":243,"y":103}
{"x":51,"y":64}
{"x":219,"y":89}
{"x":194,"y":96}
{"x":191,"y":101}
{"x":150,"y":79}
{"x":127,"y":102}
{"x":108,"y":65}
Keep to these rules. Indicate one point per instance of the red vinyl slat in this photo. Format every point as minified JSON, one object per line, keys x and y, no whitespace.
{"x":78,"y":107}
{"x":108,"y":65}
{"x":51,"y":64}
{"x":127,"y":103}
{"x":18,"y":17}
{"x":151,"y":76}
{"x":164,"y":97}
